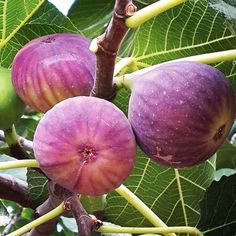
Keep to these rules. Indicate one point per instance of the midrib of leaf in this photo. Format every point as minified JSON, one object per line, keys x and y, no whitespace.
{"x":183,"y":48}
{"x":181,"y":196}
{"x":136,"y":189}
{"x":5,"y":39}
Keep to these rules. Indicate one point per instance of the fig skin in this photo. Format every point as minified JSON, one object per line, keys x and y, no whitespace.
{"x":11,"y":106}
{"x":52,"y":68}
{"x":181,"y":112}
{"x":86,"y":145}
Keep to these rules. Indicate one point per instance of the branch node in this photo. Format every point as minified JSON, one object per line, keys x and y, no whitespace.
{"x":130,"y":9}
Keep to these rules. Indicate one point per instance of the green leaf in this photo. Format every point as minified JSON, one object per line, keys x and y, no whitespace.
{"x":93,"y":204}
{"x":226,"y":156}
{"x":13,"y":15}
{"x":189,"y":29}
{"x":27,"y":124}
{"x":19,"y":173}
{"x":46,"y":19}
{"x":171,"y":193}
{"x":37,"y":186}
{"x":91,"y":17}
{"x":218,"y":208}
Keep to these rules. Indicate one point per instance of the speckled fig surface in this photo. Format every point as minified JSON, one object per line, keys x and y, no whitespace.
{"x":181,"y":112}
{"x":86,"y":145}
{"x":52,"y":68}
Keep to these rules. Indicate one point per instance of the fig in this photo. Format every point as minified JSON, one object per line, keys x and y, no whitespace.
{"x":11,"y":106}
{"x":181,"y":112}
{"x":52,"y":68}
{"x":85,"y":144}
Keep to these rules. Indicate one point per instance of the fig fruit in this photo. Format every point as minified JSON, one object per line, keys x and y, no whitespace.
{"x":52,"y":68}
{"x":86,"y":145}
{"x":181,"y":112}
{"x":11,"y":106}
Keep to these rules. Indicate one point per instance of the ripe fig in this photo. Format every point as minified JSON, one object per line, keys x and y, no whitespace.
{"x":181,"y":112}
{"x":11,"y":106}
{"x":52,"y":68}
{"x":86,"y":145}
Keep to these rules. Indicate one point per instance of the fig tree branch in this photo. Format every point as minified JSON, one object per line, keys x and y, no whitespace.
{"x":56,"y":197}
{"x":14,"y":189}
{"x":84,"y":221}
{"x":108,"y":45}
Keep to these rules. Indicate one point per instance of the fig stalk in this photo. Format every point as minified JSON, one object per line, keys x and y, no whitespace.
{"x":151,"y":230}
{"x":151,"y":11}
{"x":18,"y":164}
{"x":141,"y":207}
{"x":14,"y":145}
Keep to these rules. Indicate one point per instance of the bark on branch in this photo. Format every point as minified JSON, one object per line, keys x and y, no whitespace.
{"x":108,"y":45}
{"x":15,"y":190}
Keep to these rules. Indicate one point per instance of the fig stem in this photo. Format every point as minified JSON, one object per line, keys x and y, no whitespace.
{"x":14,"y":145}
{"x":126,"y":80}
{"x":150,"y":230}
{"x":151,"y":11}
{"x":50,"y":215}
{"x":141,"y":207}
{"x":24,"y":143}
{"x":123,"y":64}
{"x":18,"y":164}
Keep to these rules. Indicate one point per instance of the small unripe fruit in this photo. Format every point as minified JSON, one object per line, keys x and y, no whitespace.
{"x":86,"y":145}
{"x":11,"y":106}
{"x":52,"y":68}
{"x":181,"y":112}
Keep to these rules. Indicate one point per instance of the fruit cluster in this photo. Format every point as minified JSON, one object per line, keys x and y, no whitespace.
{"x":179,"y":114}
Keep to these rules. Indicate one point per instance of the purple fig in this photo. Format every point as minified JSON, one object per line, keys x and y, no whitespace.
{"x":86,"y":145}
{"x":181,"y":112}
{"x":52,"y":68}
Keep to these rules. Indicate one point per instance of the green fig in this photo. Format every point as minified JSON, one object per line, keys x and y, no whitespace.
{"x":11,"y":106}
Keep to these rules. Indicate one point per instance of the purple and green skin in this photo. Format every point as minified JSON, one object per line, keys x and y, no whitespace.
{"x":52,"y":68}
{"x":181,"y":112}
{"x":86,"y":145}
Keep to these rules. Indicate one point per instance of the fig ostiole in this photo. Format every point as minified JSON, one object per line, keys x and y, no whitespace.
{"x":52,"y":68}
{"x":86,"y":145}
{"x":11,"y":106}
{"x":181,"y":112}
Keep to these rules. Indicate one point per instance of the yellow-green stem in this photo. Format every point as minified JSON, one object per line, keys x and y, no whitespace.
{"x":151,"y":11}
{"x":141,"y":207}
{"x":50,"y":215}
{"x":123,"y":64}
{"x":211,"y":58}
{"x":18,"y":164}
{"x":11,"y":136}
{"x":150,"y":230}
